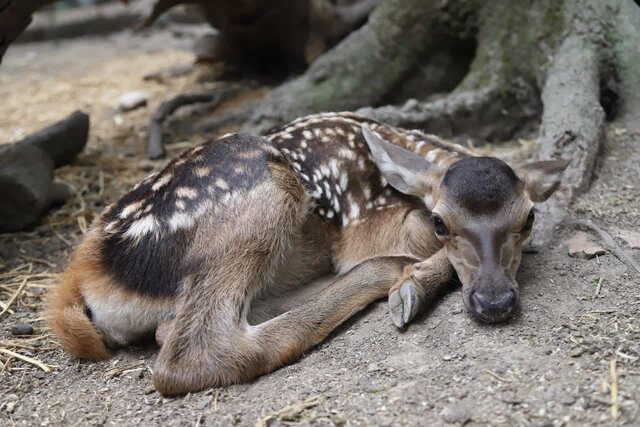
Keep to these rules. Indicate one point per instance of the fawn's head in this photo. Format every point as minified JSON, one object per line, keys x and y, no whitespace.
{"x":482,"y":212}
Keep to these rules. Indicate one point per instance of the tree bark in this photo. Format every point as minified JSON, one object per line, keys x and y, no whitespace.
{"x":15,"y":16}
{"x":366,"y":65}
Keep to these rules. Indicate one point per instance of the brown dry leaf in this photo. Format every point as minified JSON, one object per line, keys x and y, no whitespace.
{"x":580,"y":245}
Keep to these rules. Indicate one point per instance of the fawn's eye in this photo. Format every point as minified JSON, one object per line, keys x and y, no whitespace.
{"x":530,"y":219}
{"x":88,"y":313}
{"x":439,"y":226}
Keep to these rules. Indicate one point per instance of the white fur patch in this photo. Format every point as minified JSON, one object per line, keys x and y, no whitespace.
{"x":161,"y":182}
{"x":129,"y":209}
{"x":186,"y":192}
{"x":141,"y":227}
{"x":181,"y":220}
{"x":221,"y":183}
{"x":202,"y":171}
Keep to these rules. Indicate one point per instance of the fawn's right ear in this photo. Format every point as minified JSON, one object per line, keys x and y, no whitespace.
{"x":404,"y":170}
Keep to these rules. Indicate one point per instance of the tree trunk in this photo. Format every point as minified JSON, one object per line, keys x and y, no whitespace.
{"x":15,"y":16}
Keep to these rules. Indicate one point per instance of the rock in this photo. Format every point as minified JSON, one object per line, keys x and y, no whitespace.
{"x":631,"y":237}
{"x":580,"y":245}
{"x":457,"y":412}
{"x":132,"y":100}
{"x":21,"y":329}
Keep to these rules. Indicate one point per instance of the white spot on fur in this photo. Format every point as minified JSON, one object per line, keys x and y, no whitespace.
{"x":141,"y":227}
{"x":202,"y":171}
{"x":432,"y":155}
{"x":336,"y":204}
{"x":333,"y":165}
{"x":344,"y":181}
{"x":161,"y":182}
{"x":221,"y":183}
{"x":354,"y":210}
{"x":181,"y":220}
{"x":303,"y":144}
{"x":330,"y":214}
{"x":307,"y":134}
{"x":181,"y":205}
{"x":186,"y":192}
{"x":347,"y":154}
{"x":111,"y":227}
{"x":129,"y":209}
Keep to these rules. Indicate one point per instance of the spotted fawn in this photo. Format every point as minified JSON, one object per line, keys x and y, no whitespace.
{"x":244,"y":252}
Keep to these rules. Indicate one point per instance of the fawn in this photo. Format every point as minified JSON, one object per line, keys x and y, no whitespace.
{"x":245,"y":252}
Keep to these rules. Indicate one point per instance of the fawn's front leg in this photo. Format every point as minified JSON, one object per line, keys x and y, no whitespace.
{"x":418,"y":286}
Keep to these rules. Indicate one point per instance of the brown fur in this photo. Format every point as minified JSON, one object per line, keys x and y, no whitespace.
{"x":65,"y":312}
{"x":245,"y":220}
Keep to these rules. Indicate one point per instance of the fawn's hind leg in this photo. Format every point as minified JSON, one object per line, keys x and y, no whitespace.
{"x":244,"y":249}
{"x":223,"y":350}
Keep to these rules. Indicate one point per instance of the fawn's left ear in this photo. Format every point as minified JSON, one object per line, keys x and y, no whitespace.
{"x":542,"y":178}
{"x":404,"y":170}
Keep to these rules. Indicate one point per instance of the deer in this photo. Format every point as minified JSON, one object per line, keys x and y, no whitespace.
{"x":246,"y":251}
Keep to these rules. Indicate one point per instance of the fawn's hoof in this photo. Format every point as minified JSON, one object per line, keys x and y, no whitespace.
{"x":403,"y":304}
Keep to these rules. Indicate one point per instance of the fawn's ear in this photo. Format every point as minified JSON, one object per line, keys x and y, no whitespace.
{"x":404,"y":170}
{"x":542,"y":178}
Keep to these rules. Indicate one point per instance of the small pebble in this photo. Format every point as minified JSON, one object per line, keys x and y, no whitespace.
{"x":132,"y":100}
{"x":21,"y":329}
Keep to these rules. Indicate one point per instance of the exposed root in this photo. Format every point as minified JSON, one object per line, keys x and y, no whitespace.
{"x":481,"y":112}
{"x":231,"y":118}
{"x":609,"y":242}
{"x":572,"y":125}
{"x":155,"y":144}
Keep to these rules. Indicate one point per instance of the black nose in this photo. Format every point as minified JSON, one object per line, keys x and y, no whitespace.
{"x":494,"y":308}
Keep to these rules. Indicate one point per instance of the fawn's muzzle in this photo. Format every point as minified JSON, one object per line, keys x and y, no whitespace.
{"x":493,"y":307}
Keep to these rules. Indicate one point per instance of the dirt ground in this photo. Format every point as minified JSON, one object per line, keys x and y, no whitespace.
{"x":574,"y":346}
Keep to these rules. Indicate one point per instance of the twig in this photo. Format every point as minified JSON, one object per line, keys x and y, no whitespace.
{"x":496,"y":376}
{"x":27,"y":359}
{"x":598,"y":287}
{"x":62,"y":238}
{"x":155,"y":143}
{"x":614,"y":389}
{"x":14,"y":297}
{"x":609,"y":242}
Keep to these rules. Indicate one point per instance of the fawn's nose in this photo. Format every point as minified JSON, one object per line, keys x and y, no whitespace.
{"x":494,"y":308}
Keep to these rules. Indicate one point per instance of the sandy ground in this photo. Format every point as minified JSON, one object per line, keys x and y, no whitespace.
{"x":575,"y":344}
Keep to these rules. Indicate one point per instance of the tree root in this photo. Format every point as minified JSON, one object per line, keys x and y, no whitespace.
{"x":230,"y":118}
{"x":155,"y":143}
{"x":484,"y":113}
{"x":572,"y":125}
{"x":362,"y":69}
{"x":609,"y":242}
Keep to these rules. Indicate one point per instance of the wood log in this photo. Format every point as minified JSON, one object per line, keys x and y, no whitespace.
{"x":27,"y":189}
